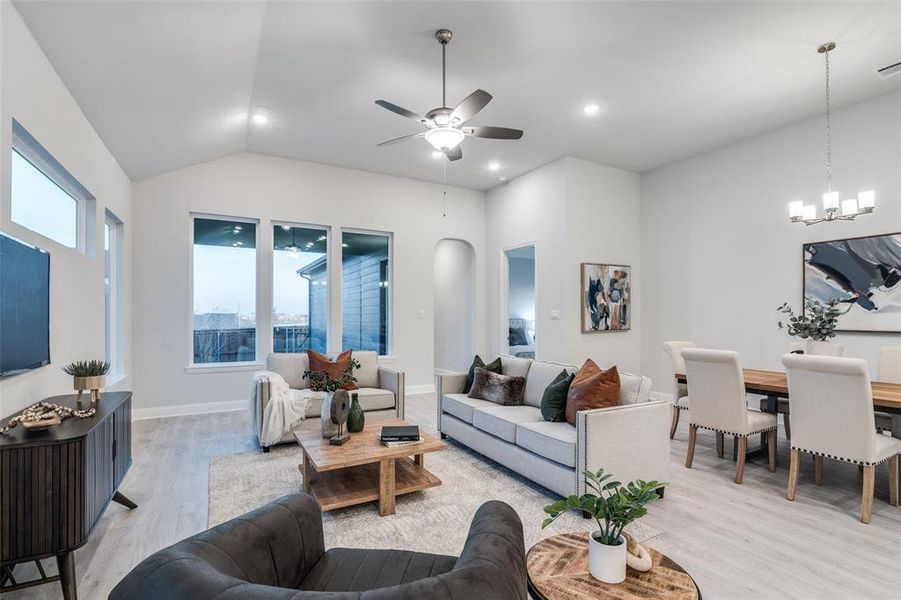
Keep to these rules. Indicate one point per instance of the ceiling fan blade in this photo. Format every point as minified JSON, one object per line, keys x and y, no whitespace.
{"x":402,"y":138}
{"x":402,"y":111}
{"x":455,"y":153}
{"x":471,"y":105}
{"x":497,"y":133}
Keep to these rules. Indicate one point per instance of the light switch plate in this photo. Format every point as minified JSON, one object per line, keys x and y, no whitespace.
{"x":555,"y":314}
{"x":421,"y":314}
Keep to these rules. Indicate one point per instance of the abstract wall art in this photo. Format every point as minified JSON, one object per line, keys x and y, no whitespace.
{"x":864,"y":274}
{"x":606,"y":297}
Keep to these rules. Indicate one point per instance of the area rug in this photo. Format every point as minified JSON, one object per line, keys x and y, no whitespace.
{"x":434,"y":520}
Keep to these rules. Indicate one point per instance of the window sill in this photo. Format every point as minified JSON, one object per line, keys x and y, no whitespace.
{"x":113,"y":381}
{"x":224,"y":367}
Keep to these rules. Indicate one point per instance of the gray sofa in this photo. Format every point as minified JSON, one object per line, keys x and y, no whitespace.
{"x":630,"y":440}
{"x":381,"y":390}
{"x":278,"y":552}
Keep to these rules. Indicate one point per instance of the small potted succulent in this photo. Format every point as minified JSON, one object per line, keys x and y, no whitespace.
{"x":88,"y":375}
{"x":816,"y":323}
{"x":613,"y":506}
{"x":320,"y":381}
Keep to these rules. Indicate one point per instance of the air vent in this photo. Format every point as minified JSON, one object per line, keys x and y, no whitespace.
{"x":889,"y":70}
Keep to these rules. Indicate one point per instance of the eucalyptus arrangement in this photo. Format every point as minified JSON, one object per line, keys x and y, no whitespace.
{"x":816,"y":323}
{"x":613,"y":506}
{"x":321,"y":382}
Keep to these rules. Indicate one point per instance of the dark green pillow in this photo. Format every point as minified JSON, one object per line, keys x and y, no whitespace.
{"x":494,"y":366}
{"x":553,"y":400}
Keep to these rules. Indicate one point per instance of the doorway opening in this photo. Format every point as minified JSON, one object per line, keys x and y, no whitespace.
{"x":520,"y":301}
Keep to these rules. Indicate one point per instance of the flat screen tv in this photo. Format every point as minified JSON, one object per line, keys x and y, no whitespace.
{"x":24,"y":306}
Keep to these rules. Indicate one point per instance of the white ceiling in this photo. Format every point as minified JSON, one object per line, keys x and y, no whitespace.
{"x":169,"y":84}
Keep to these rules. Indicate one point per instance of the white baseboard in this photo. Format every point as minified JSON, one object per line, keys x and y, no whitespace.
{"x":180,"y":410}
{"x":428,"y":388}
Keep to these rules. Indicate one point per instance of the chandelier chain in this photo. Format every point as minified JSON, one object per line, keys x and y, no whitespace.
{"x":828,"y":129}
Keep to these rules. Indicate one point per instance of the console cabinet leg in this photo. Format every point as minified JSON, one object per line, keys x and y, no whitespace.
{"x":66,"y":564}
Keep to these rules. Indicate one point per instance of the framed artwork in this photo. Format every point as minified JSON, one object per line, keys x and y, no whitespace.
{"x":606,"y":299}
{"x":864,"y":274}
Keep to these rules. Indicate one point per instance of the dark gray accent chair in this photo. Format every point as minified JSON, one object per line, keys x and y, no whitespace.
{"x":278,"y":552}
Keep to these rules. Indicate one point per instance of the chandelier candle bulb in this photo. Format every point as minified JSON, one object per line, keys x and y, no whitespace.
{"x":830,"y":201}
{"x":849,"y":207}
{"x":795,"y":209}
{"x":866,"y":200}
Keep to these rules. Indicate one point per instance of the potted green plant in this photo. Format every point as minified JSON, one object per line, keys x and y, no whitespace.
{"x":613,"y":506}
{"x":88,"y":375}
{"x":816,"y":323}
{"x":320,"y":381}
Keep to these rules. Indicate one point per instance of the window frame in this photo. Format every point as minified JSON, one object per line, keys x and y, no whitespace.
{"x":114,"y":319}
{"x":329,"y":276}
{"x":30,"y":149}
{"x":224,"y":366}
{"x":339,"y":241}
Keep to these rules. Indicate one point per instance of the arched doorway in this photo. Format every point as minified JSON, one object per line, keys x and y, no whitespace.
{"x":455,"y":304}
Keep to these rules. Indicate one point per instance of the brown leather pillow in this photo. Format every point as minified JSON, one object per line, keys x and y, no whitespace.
{"x":332,"y":368}
{"x":593,"y":387}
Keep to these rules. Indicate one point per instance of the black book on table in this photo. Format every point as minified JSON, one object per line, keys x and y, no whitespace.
{"x":400,"y":433}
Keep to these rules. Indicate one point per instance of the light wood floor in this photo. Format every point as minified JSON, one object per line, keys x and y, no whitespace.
{"x":738,"y":541}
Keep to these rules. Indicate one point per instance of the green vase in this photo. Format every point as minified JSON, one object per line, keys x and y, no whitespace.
{"x":356,"y":419}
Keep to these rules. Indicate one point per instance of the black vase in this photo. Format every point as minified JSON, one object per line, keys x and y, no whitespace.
{"x":356,"y":419}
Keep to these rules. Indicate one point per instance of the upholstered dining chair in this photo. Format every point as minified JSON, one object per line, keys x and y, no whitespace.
{"x":718,"y":402}
{"x":832,"y":416}
{"x":889,"y":372}
{"x":680,"y":390}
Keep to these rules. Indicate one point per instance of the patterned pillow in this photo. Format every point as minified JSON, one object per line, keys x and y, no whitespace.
{"x":331,"y":367}
{"x":494,"y":366}
{"x":500,"y":389}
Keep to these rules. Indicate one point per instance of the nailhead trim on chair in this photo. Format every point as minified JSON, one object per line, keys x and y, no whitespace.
{"x":843,"y":459}
{"x":581,"y":461}
{"x":733,"y":433}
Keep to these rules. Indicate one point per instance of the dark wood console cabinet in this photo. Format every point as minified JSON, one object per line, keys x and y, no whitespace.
{"x":55,"y":485}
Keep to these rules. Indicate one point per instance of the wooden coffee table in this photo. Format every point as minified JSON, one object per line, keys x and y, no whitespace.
{"x":363,"y":470}
{"x":558,"y":570}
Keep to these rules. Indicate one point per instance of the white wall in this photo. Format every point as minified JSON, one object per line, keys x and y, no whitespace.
{"x":574,"y":211}
{"x":719,"y":254}
{"x":34,"y":95}
{"x":275,"y":189}
{"x":455,"y":304}
{"x":521,"y":288}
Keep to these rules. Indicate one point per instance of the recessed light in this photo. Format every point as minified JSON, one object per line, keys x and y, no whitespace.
{"x":260,"y":115}
{"x":494,"y":166}
{"x":502,"y":178}
{"x":437,"y":154}
{"x":591,"y":109}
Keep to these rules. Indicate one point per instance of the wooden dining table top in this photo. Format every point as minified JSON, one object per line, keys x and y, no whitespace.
{"x":886,"y":396}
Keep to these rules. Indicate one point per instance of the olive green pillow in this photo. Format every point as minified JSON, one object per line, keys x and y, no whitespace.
{"x":494,"y":366}
{"x":553,"y":400}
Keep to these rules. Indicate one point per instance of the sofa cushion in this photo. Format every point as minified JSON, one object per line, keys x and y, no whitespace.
{"x":370,"y":399}
{"x":477,"y":362}
{"x":593,"y":387}
{"x":515,"y":366}
{"x":354,"y":570}
{"x":553,"y":401}
{"x":501,"y":421}
{"x":368,"y":373}
{"x":500,"y":389}
{"x":461,"y":406}
{"x":553,"y":441}
{"x":633,"y":389}
{"x":541,"y":374}
{"x":291,"y":367}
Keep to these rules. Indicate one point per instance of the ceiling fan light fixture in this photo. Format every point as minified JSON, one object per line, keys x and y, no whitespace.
{"x":444,"y":138}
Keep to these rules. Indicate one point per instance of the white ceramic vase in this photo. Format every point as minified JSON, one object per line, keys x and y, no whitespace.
{"x":822,"y":348}
{"x":607,"y":563}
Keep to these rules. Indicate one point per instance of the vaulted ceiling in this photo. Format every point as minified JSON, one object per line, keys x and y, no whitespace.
{"x":170,"y":84}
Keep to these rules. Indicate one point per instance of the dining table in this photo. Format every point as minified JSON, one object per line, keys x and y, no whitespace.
{"x":773,"y":385}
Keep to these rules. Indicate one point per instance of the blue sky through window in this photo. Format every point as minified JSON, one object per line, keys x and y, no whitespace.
{"x":41,"y":205}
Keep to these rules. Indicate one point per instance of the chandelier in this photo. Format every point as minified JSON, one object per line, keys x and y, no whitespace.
{"x":834,"y":208}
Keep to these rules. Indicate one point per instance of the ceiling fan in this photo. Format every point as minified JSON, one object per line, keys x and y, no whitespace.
{"x":445,"y":126}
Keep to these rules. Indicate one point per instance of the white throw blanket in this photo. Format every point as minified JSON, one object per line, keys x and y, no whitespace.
{"x":284,"y":411}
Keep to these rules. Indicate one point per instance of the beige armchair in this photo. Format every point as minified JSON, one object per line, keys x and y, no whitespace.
{"x":381,"y":390}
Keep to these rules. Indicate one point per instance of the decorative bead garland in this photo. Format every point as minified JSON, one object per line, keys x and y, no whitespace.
{"x":45,"y":410}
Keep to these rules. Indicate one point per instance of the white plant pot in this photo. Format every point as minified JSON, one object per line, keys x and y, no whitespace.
{"x":607,"y":563}
{"x":820,"y":348}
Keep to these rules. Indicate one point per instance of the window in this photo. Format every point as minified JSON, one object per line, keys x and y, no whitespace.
{"x":44,"y":196}
{"x":365,"y":297}
{"x":225,"y":275}
{"x":300,"y":303}
{"x":113,"y":292}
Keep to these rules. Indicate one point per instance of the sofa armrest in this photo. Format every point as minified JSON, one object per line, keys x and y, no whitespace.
{"x":447,"y":382}
{"x":394,"y":381}
{"x":629,"y":441}
{"x":258,"y":406}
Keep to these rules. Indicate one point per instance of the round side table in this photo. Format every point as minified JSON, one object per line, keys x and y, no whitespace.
{"x":558,"y":570}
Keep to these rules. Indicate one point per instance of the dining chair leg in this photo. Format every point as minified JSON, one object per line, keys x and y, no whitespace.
{"x":742,"y":453}
{"x":866,"y":505}
{"x":692,"y":438}
{"x":771,"y":446}
{"x":719,"y":444}
{"x":818,"y":469}
{"x":675,"y":425}
{"x":893,"y":477}
{"x":793,"y":473}
{"x":787,"y":426}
